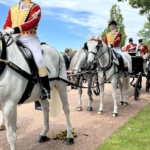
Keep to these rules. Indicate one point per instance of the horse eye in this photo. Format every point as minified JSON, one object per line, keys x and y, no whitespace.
{"x":97,"y":47}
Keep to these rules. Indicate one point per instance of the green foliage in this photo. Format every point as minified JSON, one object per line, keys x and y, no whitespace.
{"x":134,"y":135}
{"x":143,"y":5}
{"x":115,"y":14}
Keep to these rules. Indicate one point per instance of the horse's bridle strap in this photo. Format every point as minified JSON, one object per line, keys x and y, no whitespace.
{"x":92,"y":53}
{"x":19,"y":70}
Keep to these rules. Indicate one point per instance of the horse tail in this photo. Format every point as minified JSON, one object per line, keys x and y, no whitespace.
{"x":55,"y":104}
{"x":126,"y":86}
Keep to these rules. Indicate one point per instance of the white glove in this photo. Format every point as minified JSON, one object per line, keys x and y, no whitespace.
{"x":110,"y":46}
{"x":10,"y":31}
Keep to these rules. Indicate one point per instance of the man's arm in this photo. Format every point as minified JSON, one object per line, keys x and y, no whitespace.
{"x":105,"y":40}
{"x":117,"y":40}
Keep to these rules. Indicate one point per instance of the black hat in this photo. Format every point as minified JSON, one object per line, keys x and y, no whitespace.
{"x":130,"y":39}
{"x":113,"y":22}
{"x":140,"y":40}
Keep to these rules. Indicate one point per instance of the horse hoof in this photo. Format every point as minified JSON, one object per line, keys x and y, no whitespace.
{"x":43,"y":139}
{"x":115,"y":115}
{"x":2,"y":127}
{"x":89,"y":109}
{"x":125,"y":104}
{"x":100,"y":112}
{"x":121,"y":102}
{"x":79,"y":109}
{"x":69,"y":141}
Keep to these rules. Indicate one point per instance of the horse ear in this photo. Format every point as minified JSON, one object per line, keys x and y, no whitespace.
{"x":89,"y":36}
{"x":85,"y":46}
{"x":98,"y":37}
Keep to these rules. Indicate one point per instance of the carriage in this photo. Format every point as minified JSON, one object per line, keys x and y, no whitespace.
{"x":138,"y":73}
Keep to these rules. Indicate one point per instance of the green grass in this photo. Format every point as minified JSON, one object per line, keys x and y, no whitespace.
{"x":134,"y":135}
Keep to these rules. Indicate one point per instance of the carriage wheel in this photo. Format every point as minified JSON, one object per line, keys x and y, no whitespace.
{"x":138,"y":86}
{"x":97,"y":89}
{"x":148,"y":83}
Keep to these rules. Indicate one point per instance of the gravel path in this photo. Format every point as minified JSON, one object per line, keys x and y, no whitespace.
{"x":97,"y":127}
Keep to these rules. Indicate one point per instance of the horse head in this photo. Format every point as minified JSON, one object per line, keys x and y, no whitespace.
{"x":77,"y":62}
{"x":93,"y":46}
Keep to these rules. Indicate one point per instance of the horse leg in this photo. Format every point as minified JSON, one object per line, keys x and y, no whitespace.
{"x":121,"y":92}
{"x":45,"y":107}
{"x":100,"y":110}
{"x":125,"y":89}
{"x":114,"y":95}
{"x":2,"y":121}
{"x":10,"y":114}
{"x":89,"y":92}
{"x":79,"y":106}
{"x":62,"y":90}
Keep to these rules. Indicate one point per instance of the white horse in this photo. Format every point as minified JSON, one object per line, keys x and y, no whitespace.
{"x":77,"y":64}
{"x":107,"y":64}
{"x":12,"y":86}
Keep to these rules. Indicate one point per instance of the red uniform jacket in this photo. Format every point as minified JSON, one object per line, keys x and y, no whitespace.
{"x":131,"y":47}
{"x":31,"y":22}
{"x":143,"y":49}
{"x":114,"y":40}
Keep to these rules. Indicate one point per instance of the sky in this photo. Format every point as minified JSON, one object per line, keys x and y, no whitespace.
{"x":67,"y":23}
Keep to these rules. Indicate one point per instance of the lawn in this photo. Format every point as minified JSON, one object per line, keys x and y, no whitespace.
{"x":134,"y":135}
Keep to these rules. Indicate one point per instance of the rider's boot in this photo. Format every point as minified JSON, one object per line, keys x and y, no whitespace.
{"x":38,"y":105}
{"x":44,"y":83}
{"x":45,"y":88}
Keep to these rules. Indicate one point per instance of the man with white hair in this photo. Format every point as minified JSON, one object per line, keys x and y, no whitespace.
{"x":23,"y":19}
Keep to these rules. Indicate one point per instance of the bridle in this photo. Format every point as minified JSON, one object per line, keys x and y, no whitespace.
{"x":9,"y":41}
{"x":98,"y":47}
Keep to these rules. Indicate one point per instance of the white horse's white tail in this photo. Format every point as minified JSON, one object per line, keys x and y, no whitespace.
{"x":55,"y":104}
{"x":127,"y":86}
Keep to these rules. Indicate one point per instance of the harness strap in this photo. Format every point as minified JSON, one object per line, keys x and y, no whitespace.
{"x":21,"y":72}
{"x":31,"y":80}
{"x":27,"y":92}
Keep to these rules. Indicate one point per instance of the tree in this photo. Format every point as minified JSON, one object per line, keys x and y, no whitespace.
{"x":143,"y":5}
{"x":145,"y":33}
{"x":115,"y":14}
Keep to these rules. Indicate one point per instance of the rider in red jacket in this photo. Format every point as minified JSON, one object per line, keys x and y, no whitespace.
{"x":23,"y":19}
{"x":113,"y":39}
{"x":131,"y":47}
{"x":142,"y":47}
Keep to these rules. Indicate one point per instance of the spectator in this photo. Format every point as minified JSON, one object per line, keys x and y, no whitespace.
{"x":66,"y":58}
